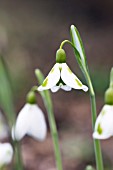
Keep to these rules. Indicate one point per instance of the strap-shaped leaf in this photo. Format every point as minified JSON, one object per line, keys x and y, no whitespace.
{"x":6,"y":98}
{"x":79,"y":49}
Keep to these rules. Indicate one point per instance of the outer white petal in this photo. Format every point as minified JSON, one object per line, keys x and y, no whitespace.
{"x":55,"y":89}
{"x":6,"y":153}
{"x":30,"y":121}
{"x":22,"y":123}
{"x":52,"y":79}
{"x":105,"y":121}
{"x":71,"y":79}
{"x":37,"y":124}
{"x":96,"y":135}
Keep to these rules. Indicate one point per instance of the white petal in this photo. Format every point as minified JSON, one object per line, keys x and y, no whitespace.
{"x":37,"y":128}
{"x":22,"y":123}
{"x":30,"y":121}
{"x":105,"y":121}
{"x":52,"y":79}
{"x":55,"y":89}
{"x":6,"y":153}
{"x":71,"y":79}
{"x":96,"y":135}
{"x":66,"y":88}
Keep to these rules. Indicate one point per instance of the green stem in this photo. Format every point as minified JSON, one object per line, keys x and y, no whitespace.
{"x":64,"y":42}
{"x":54,"y":132}
{"x":18,"y":158}
{"x":48,"y":104}
{"x":97,"y":147}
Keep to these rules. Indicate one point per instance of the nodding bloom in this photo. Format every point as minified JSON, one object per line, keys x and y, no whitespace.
{"x":104,"y":123}
{"x":30,"y":121}
{"x":61,"y":76}
{"x":6,"y":154}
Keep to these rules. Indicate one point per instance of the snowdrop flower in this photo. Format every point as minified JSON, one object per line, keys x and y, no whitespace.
{"x":61,"y":76}
{"x":30,"y":121}
{"x":104,"y":123}
{"x":6,"y":154}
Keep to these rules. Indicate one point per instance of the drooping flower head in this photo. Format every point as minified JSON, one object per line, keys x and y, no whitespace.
{"x":6,"y":154}
{"x":30,"y":121}
{"x":61,"y":76}
{"x":104,"y":123}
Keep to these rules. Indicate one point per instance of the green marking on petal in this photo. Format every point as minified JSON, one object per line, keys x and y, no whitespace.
{"x":60,"y":68}
{"x":69,"y":70}
{"x":99,"y":129}
{"x":52,"y":70}
{"x":78,"y":82}
{"x":45,"y":82}
{"x":103,"y":112}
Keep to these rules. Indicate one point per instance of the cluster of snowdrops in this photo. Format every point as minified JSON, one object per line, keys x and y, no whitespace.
{"x":31,"y":121}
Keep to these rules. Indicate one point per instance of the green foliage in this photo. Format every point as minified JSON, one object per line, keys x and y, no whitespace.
{"x":6,"y":97}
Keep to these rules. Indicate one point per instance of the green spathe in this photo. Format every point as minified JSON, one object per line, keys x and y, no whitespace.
{"x":60,"y":56}
{"x":109,"y":96}
{"x":31,"y":97}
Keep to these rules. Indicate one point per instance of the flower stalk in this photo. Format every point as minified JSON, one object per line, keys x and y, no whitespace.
{"x":48,"y":104}
{"x":81,"y":59}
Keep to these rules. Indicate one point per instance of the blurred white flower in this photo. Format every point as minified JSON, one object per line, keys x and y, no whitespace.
{"x":30,"y":121}
{"x":6,"y":154}
{"x":62,"y":77}
{"x":104,"y":123}
{"x":3,"y":128}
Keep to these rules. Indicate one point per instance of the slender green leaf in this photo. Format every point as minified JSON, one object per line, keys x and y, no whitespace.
{"x":6,"y":97}
{"x":77,"y":42}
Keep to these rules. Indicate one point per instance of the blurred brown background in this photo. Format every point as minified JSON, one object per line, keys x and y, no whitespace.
{"x":30,"y":34}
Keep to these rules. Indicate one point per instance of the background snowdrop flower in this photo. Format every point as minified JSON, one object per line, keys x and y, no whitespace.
{"x":6,"y":154}
{"x":61,"y":76}
{"x":30,"y":121}
{"x":104,"y":123}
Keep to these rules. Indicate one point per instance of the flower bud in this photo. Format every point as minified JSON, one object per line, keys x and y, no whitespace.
{"x":31,"y":97}
{"x":60,"y":56}
{"x":109,"y":96}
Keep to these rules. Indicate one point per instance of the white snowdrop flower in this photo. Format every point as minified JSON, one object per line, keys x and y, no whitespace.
{"x":61,"y":76}
{"x":30,"y":121}
{"x":4,"y":130}
{"x":6,"y":154}
{"x":104,"y":123}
